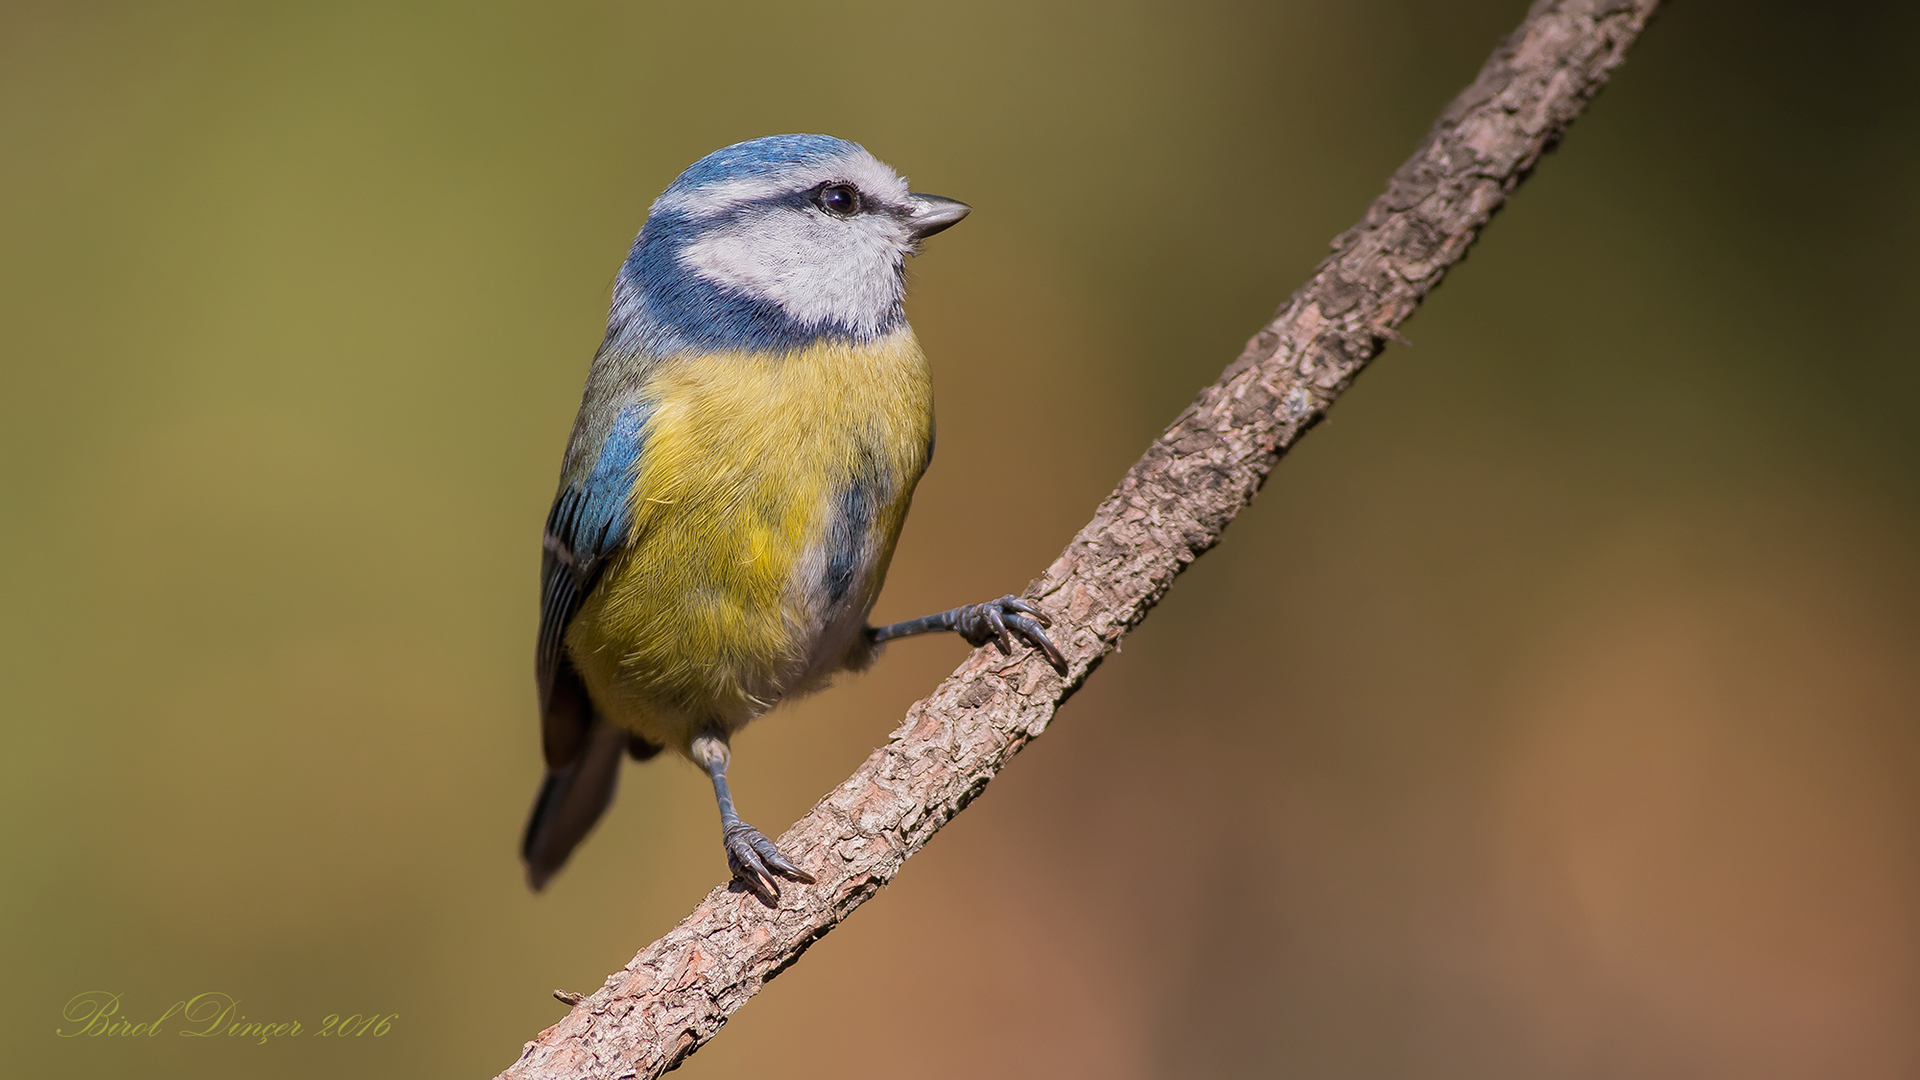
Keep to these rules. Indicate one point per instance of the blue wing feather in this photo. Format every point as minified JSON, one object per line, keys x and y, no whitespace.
{"x":588,"y":524}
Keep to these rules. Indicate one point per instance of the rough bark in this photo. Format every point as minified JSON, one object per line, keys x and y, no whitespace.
{"x":1171,"y":506}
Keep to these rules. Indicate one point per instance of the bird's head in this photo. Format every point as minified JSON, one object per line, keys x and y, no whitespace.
{"x":772,"y":244}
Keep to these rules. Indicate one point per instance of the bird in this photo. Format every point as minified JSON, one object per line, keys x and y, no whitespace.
{"x":751,"y":432}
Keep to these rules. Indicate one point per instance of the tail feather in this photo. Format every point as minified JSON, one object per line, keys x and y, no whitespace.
{"x":571,"y":800}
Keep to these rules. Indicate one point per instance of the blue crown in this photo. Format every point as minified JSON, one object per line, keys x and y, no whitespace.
{"x":757,"y":157}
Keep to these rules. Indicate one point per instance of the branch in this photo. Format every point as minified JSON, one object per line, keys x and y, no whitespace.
{"x":1171,"y":507}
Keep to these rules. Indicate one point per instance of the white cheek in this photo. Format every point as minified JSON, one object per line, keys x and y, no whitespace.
{"x":818,"y":270}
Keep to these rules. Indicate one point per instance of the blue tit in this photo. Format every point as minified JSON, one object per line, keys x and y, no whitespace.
{"x":752,"y":430}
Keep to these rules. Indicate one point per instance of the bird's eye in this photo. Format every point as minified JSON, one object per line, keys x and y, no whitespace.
{"x":840,"y":200}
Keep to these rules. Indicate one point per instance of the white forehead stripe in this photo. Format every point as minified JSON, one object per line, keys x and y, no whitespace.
{"x":856,"y":167}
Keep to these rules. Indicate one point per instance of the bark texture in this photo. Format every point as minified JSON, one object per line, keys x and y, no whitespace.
{"x":1171,"y":506}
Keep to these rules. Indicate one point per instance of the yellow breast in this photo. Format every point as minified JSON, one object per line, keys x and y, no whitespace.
{"x":750,"y":555}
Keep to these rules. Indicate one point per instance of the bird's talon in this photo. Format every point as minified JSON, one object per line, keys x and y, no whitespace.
{"x":997,"y":626}
{"x":777,"y":860}
{"x":999,"y":621}
{"x":1025,"y":608}
{"x":1035,"y":636}
{"x":755,"y":860}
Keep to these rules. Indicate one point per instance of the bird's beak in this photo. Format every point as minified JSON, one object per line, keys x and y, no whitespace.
{"x":928,"y":214}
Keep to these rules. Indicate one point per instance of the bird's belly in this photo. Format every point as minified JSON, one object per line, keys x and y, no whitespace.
{"x":765,"y":509}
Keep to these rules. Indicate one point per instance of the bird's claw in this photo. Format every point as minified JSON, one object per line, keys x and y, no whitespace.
{"x":999,"y":621}
{"x":755,"y":860}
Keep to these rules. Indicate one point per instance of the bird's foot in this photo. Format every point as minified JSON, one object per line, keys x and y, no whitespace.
{"x":755,"y":860}
{"x":999,"y":621}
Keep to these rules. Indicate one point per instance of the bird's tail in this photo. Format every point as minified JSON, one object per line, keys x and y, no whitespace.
{"x":571,"y":799}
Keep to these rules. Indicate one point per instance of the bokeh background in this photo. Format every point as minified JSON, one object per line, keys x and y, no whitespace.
{"x":1553,"y":713}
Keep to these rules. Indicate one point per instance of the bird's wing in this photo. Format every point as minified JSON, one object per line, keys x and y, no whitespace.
{"x":589,"y":524}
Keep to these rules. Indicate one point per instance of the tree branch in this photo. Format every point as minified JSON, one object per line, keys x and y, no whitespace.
{"x":1171,"y":506}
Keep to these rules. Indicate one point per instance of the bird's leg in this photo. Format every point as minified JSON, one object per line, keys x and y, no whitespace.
{"x":998,"y":621}
{"x":752,"y":857}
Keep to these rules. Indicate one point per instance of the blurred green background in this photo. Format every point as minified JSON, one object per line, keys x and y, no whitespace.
{"x":1552,"y":714}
